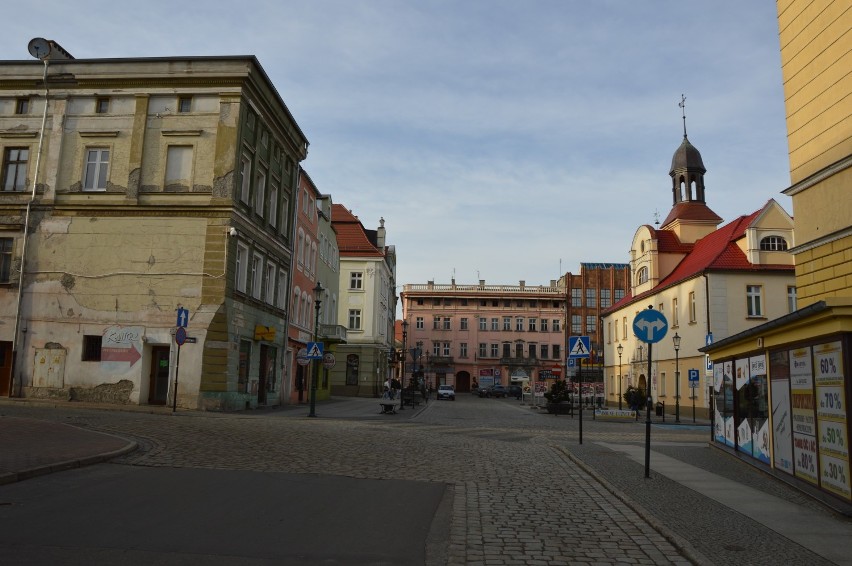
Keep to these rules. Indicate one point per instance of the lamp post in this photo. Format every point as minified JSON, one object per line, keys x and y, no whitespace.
{"x":676,"y":342}
{"x":418,"y":362}
{"x":317,"y":302}
{"x":404,"y":354}
{"x":620,"y":350}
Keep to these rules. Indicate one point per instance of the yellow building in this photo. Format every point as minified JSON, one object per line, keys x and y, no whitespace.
{"x":140,"y":196}
{"x":806,"y":354}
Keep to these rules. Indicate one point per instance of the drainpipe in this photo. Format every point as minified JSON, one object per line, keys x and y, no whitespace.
{"x":15,"y":341}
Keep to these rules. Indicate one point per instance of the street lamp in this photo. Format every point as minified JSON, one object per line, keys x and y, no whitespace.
{"x":620,"y":350}
{"x":317,"y":302}
{"x":676,"y":341}
{"x":404,"y":354}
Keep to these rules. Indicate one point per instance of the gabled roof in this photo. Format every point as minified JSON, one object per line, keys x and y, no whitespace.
{"x":352,"y":238}
{"x":718,"y":251}
{"x":691,"y":210}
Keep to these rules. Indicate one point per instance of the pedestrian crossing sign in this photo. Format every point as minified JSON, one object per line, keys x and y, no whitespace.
{"x":315,"y":350}
{"x":578,"y":346}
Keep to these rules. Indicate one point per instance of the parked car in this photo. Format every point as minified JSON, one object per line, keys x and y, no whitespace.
{"x":514,"y":391}
{"x":482,"y":390}
{"x":496,"y":391}
{"x":446,"y":392}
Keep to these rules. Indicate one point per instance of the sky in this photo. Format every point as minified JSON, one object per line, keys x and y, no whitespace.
{"x":499,"y":140}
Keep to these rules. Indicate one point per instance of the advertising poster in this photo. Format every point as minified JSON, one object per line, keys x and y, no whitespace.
{"x":728,"y":391}
{"x":831,"y":417}
{"x":759,"y":415}
{"x":782,"y":426}
{"x":743,"y":392}
{"x":719,"y":404}
{"x":802,"y":392}
{"x":804,"y":452}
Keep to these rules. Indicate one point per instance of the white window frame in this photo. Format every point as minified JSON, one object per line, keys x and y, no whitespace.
{"x":483,"y":350}
{"x":270,"y":282}
{"x":100,"y":178}
{"x":272,"y":210}
{"x":282,"y":288}
{"x":356,"y":280}
{"x":419,"y":323}
{"x":241,"y":268}
{"x":256,"y":276}
{"x":692,"y":311}
{"x":354,"y":319}
{"x":463,"y":349}
{"x":495,"y":350}
{"x":754,"y":301}
{"x":463,"y":323}
{"x":792,"y":302}
{"x":483,"y":324}
{"x":260,"y":193}
{"x":245,"y":173}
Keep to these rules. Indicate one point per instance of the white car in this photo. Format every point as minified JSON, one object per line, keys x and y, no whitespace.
{"x":446,"y":392}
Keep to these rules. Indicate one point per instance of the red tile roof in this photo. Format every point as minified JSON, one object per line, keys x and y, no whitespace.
{"x":352,"y":238}
{"x":690,"y":210}
{"x":718,"y":251}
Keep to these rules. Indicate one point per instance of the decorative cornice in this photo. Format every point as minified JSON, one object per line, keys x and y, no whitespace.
{"x":182,"y":132}
{"x":18,"y":134}
{"x":99,"y":134}
{"x":819,"y":176}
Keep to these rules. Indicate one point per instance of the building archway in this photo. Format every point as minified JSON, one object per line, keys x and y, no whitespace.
{"x":463,"y":382}
{"x":643,"y":383}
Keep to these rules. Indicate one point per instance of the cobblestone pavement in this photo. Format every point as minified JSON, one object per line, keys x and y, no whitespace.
{"x":524,"y":490}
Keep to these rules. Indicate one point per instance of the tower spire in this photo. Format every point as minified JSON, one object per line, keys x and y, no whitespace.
{"x":682,"y":105}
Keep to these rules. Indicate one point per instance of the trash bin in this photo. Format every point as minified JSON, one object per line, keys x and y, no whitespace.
{"x":660,"y":407}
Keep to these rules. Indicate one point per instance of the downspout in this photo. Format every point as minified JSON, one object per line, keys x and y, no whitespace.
{"x":15,"y":341}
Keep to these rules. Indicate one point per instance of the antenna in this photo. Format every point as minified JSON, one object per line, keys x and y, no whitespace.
{"x":682,"y":105}
{"x":657,"y":217}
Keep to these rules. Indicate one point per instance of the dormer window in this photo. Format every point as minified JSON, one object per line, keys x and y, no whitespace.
{"x":773,"y":244}
{"x":642,"y":275}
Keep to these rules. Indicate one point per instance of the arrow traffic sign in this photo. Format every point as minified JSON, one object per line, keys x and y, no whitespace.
{"x":650,"y":326}
{"x":182,"y":317}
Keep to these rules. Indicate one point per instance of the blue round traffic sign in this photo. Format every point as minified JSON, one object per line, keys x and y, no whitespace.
{"x":180,"y":335}
{"x":650,"y":326}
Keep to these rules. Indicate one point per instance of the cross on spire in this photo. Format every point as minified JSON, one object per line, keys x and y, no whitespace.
{"x":682,"y":105}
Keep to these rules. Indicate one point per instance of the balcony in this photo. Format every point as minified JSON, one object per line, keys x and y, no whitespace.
{"x":332,"y":333}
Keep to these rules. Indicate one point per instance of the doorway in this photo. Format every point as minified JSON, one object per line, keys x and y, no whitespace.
{"x":5,"y":369}
{"x":158,"y":384}
{"x":463,"y":382}
{"x":263,"y":373}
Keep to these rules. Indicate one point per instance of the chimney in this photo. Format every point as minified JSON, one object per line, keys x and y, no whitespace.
{"x":522,"y":283}
{"x":380,"y":234}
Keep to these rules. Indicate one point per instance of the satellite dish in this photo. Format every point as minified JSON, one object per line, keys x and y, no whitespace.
{"x":39,"y":48}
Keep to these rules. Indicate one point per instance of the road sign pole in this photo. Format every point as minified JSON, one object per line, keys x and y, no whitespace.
{"x":177,"y":367}
{"x":648,"y":420}
{"x":580,"y":380}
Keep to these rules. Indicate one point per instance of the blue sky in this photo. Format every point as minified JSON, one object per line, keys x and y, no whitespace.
{"x":499,"y":140}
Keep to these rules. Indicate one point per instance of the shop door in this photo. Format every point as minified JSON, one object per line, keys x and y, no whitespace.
{"x":158,"y":384}
{"x":5,"y":369}
{"x":263,"y":376}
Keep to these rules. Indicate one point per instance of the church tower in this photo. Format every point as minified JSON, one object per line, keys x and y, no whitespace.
{"x":690,"y":217}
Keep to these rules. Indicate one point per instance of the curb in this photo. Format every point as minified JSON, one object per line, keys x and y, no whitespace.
{"x":681,"y":544}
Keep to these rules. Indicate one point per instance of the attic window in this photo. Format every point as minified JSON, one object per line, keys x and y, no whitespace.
{"x":642,"y":276}
{"x":773,"y":244}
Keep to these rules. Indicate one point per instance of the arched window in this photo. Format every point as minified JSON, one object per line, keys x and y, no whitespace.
{"x":773,"y":244}
{"x":642,"y":275}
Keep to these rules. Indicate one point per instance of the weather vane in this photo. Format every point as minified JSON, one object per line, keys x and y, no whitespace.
{"x":682,"y":105}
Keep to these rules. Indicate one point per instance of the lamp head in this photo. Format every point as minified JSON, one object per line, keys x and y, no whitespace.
{"x":676,"y":341}
{"x":620,"y":349}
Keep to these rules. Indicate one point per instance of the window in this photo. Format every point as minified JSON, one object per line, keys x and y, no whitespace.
{"x":463,"y":350}
{"x":663,"y":383}
{"x":556,"y":351}
{"x":483,"y":323}
{"x":245,"y":174}
{"x":184,"y":104}
{"x":791,"y":298}
{"x":692,"y":306}
{"x":446,"y":325}
{"x":675,"y":313}
{"x":463,"y":323}
{"x":260,"y":192}
{"x":544,"y":325}
{"x":300,"y":248}
{"x":92,"y":348}
{"x":242,"y":268}
{"x":495,"y":350}
{"x":519,"y":350}
{"x":507,"y":350}
{"x":642,"y":276}
{"x":102,"y":105}
{"x":556,"y":325}
{"x":507,"y":323}
{"x":436,"y":348}
{"x":531,"y":350}
{"x":532,"y":324}
{"x":272,"y":207}
{"x":282,"y":289}
{"x":285,"y":215}
{"x":591,"y":324}
{"x":15,"y":168}
{"x":773,"y":244}
{"x":97,"y":168}
{"x":519,"y":324}
{"x":482,"y":350}
{"x":356,"y":280}
{"x":6,"y":247}
{"x":591,"y":298}
{"x":352,"y":364}
{"x":270,"y":283}
{"x":576,"y":297}
{"x":544,"y":351}
{"x":624,"y":328}
{"x":436,"y":323}
{"x":576,"y":325}
{"x":179,"y":165}
{"x":354,"y":319}
{"x":754,"y":305}
{"x":606,"y":298}
{"x":495,"y":324}
{"x":608,"y":332}
{"x":619,"y":294}
{"x":419,"y":323}
{"x":446,"y":350}
{"x":22,"y":106}
{"x":256,"y":276}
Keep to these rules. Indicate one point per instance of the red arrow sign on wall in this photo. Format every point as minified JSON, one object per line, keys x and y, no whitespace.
{"x":130,"y":354}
